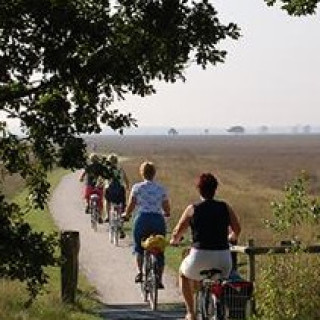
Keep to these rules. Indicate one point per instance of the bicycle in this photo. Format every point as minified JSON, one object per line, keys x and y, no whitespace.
{"x":208,"y":300}
{"x":115,"y":223}
{"x":221,"y":299}
{"x":150,"y":270}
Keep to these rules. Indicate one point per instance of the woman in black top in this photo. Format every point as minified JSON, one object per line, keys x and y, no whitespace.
{"x":213,"y":225}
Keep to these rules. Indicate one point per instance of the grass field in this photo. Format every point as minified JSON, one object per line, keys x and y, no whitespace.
{"x":47,"y":306}
{"x":252,"y":170}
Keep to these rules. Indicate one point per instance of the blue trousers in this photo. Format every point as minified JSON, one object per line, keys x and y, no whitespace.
{"x":145,"y":224}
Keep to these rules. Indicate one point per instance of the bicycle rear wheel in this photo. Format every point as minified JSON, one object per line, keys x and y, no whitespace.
{"x":205,"y":306}
{"x":221,"y":312}
{"x":94,"y":217}
{"x":145,"y":275}
{"x":153,"y":284}
{"x":116,"y":233}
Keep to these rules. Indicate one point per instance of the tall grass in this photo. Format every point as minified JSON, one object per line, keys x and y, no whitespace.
{"x":48,"y":305}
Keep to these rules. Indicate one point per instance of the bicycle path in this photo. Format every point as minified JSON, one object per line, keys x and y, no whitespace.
{"x":110,"y":269}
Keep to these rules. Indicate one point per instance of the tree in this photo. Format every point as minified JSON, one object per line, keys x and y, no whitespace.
{"x":172,"y":132}
{"x":62,"y":64}
{"x":263,"y":129}
{"x":236,"y":129}
{"x":296,"y":7}
{"x":306,"y":129}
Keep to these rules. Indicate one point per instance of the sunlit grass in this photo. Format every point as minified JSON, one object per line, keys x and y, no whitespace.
{"x":48,"y":305}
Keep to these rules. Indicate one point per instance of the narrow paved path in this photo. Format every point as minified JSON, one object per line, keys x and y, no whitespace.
{"x":110,"y":269}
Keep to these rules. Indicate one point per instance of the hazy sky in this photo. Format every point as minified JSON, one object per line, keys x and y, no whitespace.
{"x":271,"y":76}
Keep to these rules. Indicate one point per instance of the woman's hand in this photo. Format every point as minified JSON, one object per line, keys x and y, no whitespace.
{"x":125,"y":216}
{"x":232,"y":238}
{"x":173,"y":242}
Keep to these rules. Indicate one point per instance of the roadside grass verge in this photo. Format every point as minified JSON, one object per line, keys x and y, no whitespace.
{"x":48,"y":305}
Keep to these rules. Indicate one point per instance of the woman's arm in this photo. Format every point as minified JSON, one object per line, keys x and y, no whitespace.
{"x":82,"y":175}
{"x":182,"y":225}
{"x":130,"y":207}
{"x":125,"y":179}
{"x":234,"y":225}
{"x":166,"y":207}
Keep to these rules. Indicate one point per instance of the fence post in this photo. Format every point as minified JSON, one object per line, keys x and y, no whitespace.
{"x":70,"y":245}
{"x":252,"y":273}
{"x":252,"y":262}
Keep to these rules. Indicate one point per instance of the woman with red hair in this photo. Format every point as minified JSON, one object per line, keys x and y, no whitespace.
{"x":213,"y":225}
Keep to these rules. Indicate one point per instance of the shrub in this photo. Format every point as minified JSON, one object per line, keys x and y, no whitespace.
{"x":289,"y":287}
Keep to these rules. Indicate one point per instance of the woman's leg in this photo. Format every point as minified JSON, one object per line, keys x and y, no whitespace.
{"x":139,"y":260}
{"x":138,"y":227}
{"x":106,"y":196}
{"x":187,"y":290}
{"x":100,"y":204}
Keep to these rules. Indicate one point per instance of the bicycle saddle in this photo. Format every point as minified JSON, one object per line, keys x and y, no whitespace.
{"x":210,"y":273}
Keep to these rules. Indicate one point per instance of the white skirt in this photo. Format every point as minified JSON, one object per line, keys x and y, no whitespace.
{"x":198,"y":260}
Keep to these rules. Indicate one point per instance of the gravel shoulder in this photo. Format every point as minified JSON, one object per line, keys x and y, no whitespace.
{"x":110,"y":269}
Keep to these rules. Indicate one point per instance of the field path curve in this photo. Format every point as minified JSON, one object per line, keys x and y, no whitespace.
{"x":110,"y":269}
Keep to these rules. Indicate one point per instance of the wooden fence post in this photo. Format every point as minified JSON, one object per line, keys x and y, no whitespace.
{"x":70,"y":245}
{"x":251,"y":273}
{"x":252,"y":262}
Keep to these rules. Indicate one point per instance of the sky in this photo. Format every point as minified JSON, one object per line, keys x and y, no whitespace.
{"x":271,"y":76}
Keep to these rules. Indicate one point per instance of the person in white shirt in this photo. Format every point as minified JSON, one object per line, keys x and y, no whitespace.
{"x":150,"y":200}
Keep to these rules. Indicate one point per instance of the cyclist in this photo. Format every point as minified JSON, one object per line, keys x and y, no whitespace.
{"x":151,"y":202}
{"x":213,"y":225}
{"x":94,"y":174}
{"x":116,"y":185}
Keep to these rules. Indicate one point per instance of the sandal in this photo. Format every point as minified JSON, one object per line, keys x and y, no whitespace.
{"x":189,"y":316}
{"x":138,"y":278}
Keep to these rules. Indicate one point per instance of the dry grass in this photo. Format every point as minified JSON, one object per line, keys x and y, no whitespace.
{"x":252,"y":170}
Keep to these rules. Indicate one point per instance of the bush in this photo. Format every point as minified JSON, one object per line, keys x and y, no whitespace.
{"x":289,"y":287}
